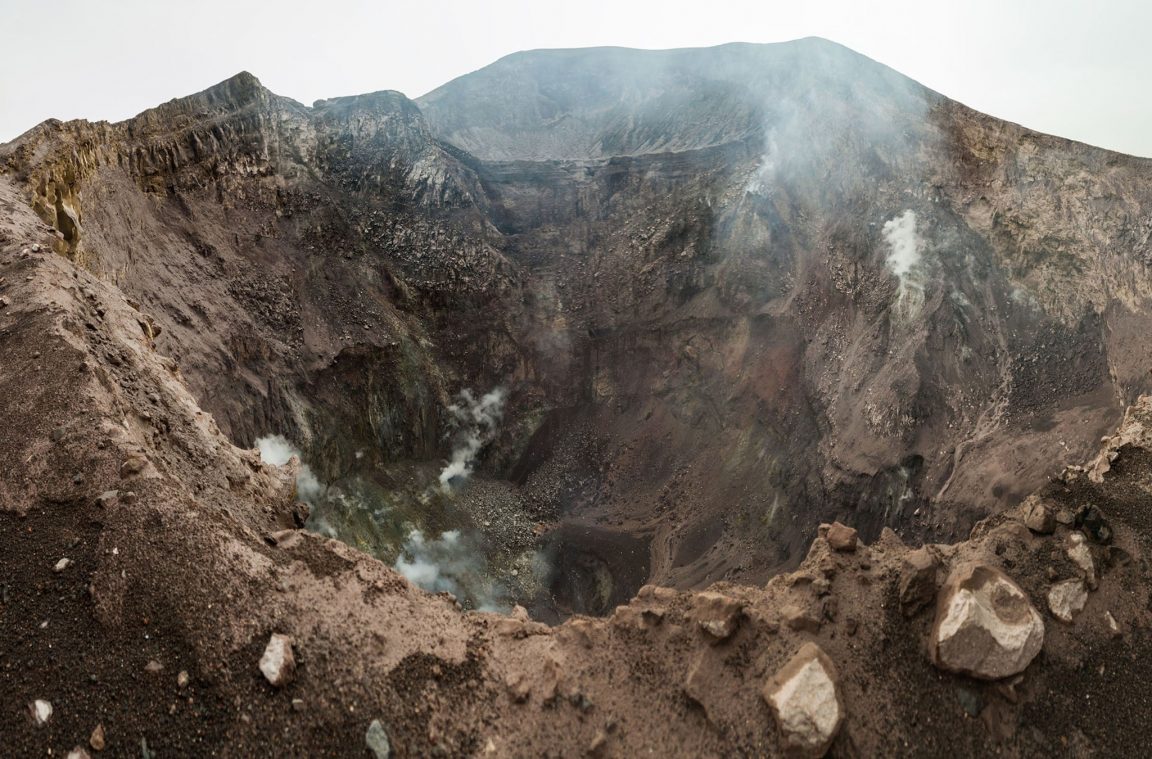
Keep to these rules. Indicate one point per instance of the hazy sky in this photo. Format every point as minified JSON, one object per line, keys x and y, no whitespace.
{"x":1077,"y":69}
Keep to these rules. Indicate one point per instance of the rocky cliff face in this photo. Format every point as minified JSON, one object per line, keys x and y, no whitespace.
{"x":732,"y":293}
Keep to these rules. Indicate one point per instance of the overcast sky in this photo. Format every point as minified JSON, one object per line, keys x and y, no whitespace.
{"x":1076,"y":69}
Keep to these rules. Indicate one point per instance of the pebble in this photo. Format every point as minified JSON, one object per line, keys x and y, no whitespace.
{"x":96,"y":740}
{"x":278,"y":664}
{"x":377,"y":740}
{"x":41,"y":712}
{"x":182,"y":679}
{"x":61,"y":565}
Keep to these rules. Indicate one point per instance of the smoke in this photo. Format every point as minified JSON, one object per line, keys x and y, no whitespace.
{"x":450,"y":563}
{"x":904,"y":260}
{"x":387,"y":523}
{"x":277,"y":451}
{"x":900,"y":234}
{"x":476,"y":421}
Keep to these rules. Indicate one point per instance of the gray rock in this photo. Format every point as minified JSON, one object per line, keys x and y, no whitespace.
{"x":805,"y":699}
{"x":985,"y":625}
{"x":377,"y":740}
{"x":40,"y":711}
{"x":1081,"y":556}
{"x":1067,"y":598}
{"x":278,"y":663}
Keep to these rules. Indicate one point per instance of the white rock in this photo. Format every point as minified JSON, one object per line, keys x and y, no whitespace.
{"x":1066,"y":598}
{"x":1113,"y":625}
{"x":1081,"y":556}
{"x":985,"y":626}
{"x":41,"y":712}
{"x":377,"y":740}
{"x":78,"y":753}
{"x":278,"y":664}
{"x":806,"y":701}
{"x":61,"y":565}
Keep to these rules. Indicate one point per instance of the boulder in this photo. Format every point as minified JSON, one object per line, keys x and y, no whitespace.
{"x":841,"y":537}
{"x":985,"y":625}
{"x":918,"y":580}
{"x":278,"y":664}
{"x":1066,"y":598}
{"x":805,"y":699}
{"x":1040,"y":517}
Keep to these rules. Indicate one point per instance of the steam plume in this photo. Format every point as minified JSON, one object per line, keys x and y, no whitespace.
{"x":476,"y":421}
{"x":277,"y":451}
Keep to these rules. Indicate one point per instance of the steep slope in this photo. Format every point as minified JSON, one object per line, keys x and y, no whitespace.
{"x":732,"y":293}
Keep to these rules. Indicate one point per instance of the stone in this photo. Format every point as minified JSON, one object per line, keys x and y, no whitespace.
{"x":1089,"y":519}
{"x":61,"y":565}
{"x":841,"y":537}
{"x":183,"y":679}
{"x":985,"y":625}
{"x":278,"y":663}
{"x":717,"y":614}
{"x":153,"y":667}
{"x":285,"y":538}
{"x":41,"y":712}
{"x":918,"y":580}
{"x":133,"y":465}
{"x":107,"y":498}
{"x":1081,"y":556}
{"x":78,"y":753}
{"x":1065,"y":517}
{"x":5,"y":302}
{"x":96,"y":740}
{"x":805,"y":699}
{"x":1066,"y":598}
{"x":1113,"y":626}
{"x":800,"y":619}
{"x":1040,"y":517}
{"x":377,"y":740}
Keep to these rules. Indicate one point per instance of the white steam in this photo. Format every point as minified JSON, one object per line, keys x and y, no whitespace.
{"x":900,"y":234}
{"x":449,"y":563}
{"x":476,"y":421}
{"x":277,"y":451}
